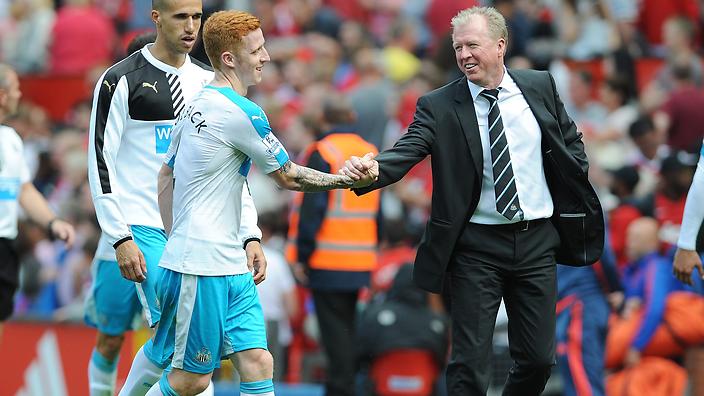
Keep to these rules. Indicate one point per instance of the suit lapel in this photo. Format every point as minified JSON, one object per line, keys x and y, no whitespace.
{"x":464,"y":108}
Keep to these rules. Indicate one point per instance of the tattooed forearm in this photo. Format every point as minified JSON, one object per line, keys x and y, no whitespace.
{"x":304,"y":179}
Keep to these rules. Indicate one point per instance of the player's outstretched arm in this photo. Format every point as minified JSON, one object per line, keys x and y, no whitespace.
{"x":300,"y":178}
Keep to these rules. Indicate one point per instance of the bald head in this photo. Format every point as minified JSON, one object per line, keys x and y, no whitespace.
{"x":5,"y":73}
{"x":9,"y":91}
{"x":159,"y":5}
{"x":642,"y":237}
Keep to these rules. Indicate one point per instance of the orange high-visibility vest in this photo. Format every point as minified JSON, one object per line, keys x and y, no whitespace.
{"x":347,"y":239}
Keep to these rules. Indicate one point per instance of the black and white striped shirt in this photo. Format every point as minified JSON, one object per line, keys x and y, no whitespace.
{"x":135,"y":104}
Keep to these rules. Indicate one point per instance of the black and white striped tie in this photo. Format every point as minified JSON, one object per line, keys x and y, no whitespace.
{"x":176,"y":93}
{"x":504,"y":181}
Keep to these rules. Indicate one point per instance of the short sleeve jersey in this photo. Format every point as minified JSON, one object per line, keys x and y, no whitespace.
{"x":13,"y":174}
{"x":216,"y":139}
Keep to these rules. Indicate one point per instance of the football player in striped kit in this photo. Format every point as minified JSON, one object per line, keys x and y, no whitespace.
{"x":135,"y":104}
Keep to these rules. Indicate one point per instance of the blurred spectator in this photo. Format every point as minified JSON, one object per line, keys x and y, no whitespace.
{"x":609,"y":146}
{"x":678,"y":36}
{"x":666,"y":203}
{"x":581,"y":325}
{"x":395,"y":250}
{"x":140,"y":41}
{"x":370,"y":99}
{"x":333,"y":241}
{"x":519,"y":27}
{"x":26,"y":46}
{"x":584,"y":28}
{"x":277,"y":295}
{"x":587,"y":113}
{"x":352,"y":38}
{"x":402,"y":344}
{"x":83,"y":37}
{"x":648,"y":284}
{"x":399,"y":60}
{"x":653,"y":14}
{"x":651,"y":151}
{"x":441,"y":11}
{"x":313,"y":16}
{"x":681,"y":116}
{"x":623,"y":184}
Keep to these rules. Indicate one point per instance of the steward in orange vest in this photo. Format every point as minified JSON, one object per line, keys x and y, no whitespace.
{"x":334,"y":234}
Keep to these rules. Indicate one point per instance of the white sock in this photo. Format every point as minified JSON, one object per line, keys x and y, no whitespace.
{"x":155,"y":390}
{"x":101,"y":375}
{"x":143,"y":374}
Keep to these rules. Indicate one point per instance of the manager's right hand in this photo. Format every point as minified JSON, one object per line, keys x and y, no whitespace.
{"x":131,"y":262}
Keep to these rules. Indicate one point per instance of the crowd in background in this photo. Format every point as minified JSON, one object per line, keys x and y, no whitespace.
{"x":642,"y":137}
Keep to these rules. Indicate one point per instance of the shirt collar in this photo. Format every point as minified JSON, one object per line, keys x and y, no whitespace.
{"x":507,"y":85}
{"x":161,"y":65}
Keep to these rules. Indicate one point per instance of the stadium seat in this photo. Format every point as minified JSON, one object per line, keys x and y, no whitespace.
{"x":404,"y":372}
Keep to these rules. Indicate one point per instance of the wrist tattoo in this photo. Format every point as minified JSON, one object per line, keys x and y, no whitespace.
{"x":311,"y":180}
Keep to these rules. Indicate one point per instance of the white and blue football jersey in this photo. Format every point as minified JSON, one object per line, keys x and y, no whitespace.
{"x":218,"y":136}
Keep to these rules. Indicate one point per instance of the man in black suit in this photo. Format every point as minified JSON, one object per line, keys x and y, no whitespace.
{"x":496,"y":134}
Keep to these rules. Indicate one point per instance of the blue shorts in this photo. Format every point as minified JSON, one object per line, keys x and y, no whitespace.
{"x":151,"y":242}
{"x":113,"y":302}
{"x":111,"y":305}
{"x":205,"y":319}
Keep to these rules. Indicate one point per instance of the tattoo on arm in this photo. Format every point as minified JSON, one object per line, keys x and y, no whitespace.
{"x":310,"y":180}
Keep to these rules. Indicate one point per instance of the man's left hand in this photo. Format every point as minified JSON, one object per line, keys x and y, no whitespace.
{"x":256,"y":262}
{"x":64,"y":231}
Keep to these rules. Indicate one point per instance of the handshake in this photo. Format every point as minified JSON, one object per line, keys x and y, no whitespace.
{"x":363,"y":171}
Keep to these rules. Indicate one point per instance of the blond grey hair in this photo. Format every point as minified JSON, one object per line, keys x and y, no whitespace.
{"x":494,"y":20}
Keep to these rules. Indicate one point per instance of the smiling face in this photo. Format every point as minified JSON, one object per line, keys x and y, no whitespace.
{"x":250,"y":58}
{"x":479,"y":55}
{"x":178,"y":23}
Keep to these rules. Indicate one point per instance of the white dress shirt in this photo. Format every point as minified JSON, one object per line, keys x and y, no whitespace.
{"x":524,"y":137}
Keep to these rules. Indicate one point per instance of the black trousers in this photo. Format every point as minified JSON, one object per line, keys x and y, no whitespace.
{"x":491,"y":262}
{"x":336,"y":312}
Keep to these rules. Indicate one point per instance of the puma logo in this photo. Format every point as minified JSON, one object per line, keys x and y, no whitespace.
{"x":152,"y":86}
{"x":110,"y":86}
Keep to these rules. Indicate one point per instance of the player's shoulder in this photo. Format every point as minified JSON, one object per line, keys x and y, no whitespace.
{"x":237,"y":101}
{"x":136,"y":61}
{"x":8,"y":134}
{"x":201,"y":65}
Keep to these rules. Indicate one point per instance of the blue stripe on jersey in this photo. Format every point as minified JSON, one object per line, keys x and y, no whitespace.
{"x":171,"y":162}
{"x":244,"y":168}
{"x":281,"y":157}
{"x":9,"y":188}
{"x":254,"y":112}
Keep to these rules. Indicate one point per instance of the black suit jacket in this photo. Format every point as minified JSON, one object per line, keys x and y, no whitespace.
{"x":445,"y":126}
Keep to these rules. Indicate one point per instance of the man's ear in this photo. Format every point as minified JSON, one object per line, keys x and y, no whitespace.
{"x":3,"y":97}
{"x":156,"y":17}
{"x":227,"y":58}
{"x":502,"y":46}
